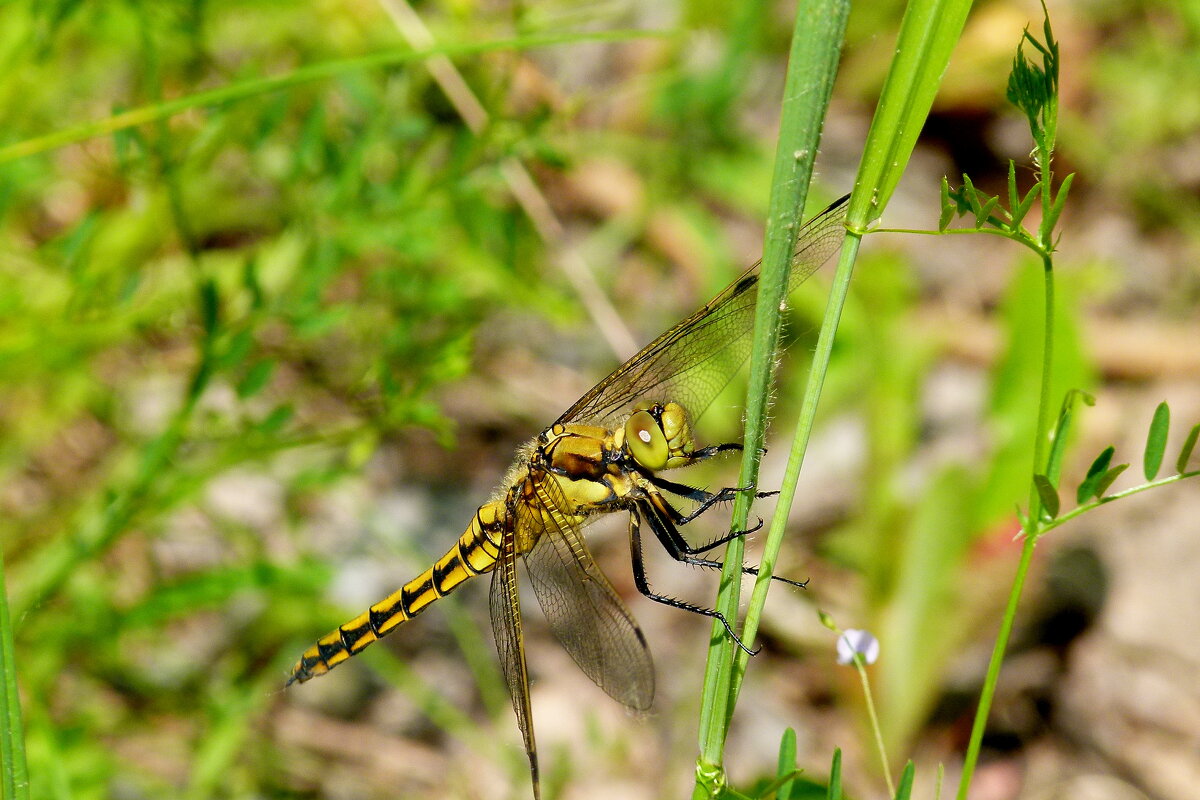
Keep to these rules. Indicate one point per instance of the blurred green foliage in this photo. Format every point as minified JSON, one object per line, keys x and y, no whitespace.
{"x":289,"y":284}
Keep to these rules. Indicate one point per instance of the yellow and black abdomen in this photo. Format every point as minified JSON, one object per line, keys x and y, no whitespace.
{"x":473,"y":554}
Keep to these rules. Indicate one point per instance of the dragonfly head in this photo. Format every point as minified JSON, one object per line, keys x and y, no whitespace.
{"x":659,"y":436}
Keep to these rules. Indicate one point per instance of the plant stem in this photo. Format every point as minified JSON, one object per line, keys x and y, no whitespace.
{"x":812,"y":65}
{"x":14,"y":771}
{"x":993,"y":671}
{"x":875,"y":729}
{"x":1041,"y":432}
{"x":1083,"y":509}
{"x":992,"y":677}
{"x":804,"y":426}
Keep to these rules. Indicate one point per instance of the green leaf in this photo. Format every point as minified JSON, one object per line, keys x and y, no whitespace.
{"x":1087,"y":488}
{"x":276,"y":419}
{"x":250,"y":282}
{"x":1056,"y":208}
{"x":904,"y":789}
{"x":985,"y":212}
{"x":210,"y":307}
{"x":255,"y":378}
{"x":1023,"y":518}
{"x":1058,"y":442}
{"x":1189,"y":445}
{"x":786,"y":764}
{"x":929,"y":32}
{"x":1034,"y":89}
{"x":1156,"y":441}
{"x":835,"y":776}
{"x":1014,"y":195}
{"x":971,"y":196}
{"x":1048,"y":494}
{"x":812,"y":65}
{"x":947,"y":206}
{"x":1106,"y":480}
{"x":234,"y":351}
{"x":1020,"y":211}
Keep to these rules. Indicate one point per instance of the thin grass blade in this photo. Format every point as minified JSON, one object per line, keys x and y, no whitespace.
{"x":14,"y":771}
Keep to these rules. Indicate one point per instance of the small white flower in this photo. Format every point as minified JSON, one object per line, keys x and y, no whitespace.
{"x":855,"y":641}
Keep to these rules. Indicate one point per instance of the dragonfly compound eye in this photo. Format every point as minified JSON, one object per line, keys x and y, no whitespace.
{"x":646,"y":441}
{"x":675,"y":424}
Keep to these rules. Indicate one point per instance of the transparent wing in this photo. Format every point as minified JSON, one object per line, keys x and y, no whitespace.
{"x":584,"y":611}
{"x":510,"y":644}
{"x":693,"y":361}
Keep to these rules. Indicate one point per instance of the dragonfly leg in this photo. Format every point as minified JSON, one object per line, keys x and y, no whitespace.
{"x":705,"y":499}
{"x":643,"y":585}
{"x":664,"y":518}
{"x":717,"y":449}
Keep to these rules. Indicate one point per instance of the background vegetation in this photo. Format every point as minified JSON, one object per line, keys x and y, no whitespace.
{"x":260,"y":359}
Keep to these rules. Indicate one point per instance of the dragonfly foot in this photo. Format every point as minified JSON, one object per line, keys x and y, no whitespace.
{"x":737,"y":639}
{"x":753,"y":529}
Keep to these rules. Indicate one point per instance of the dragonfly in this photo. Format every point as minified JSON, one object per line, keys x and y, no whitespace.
{"x":603,"y":455}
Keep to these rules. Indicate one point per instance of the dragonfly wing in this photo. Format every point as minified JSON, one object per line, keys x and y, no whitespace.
{"x":691,"y":363}
{"x":510,"y":644}
{"x":584,"y":611}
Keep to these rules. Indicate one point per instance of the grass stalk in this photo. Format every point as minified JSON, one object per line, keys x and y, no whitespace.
{"x":309,"y":74}
{"x":14,"y":771}
{"x":928,"y":33}
{"x":812,"y":66}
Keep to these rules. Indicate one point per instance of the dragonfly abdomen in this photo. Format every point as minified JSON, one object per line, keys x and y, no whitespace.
{"x":475,"y":553}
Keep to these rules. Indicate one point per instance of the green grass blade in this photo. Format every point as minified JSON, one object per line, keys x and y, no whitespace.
{"x":835,"y":776}
{"x":315,"y":72}
{"x":904,"y":790}
{"x":787,"y":764}
{"x":14,"y":772}
{"x":928,"y":33}
{"x":812,"y":65}
{"x":1156,"y":441}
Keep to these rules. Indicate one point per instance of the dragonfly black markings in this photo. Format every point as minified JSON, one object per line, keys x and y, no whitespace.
{"x":603,"y":455}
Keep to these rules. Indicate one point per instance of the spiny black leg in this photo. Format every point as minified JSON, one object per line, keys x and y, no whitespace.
{"x":706,"y":499}
{"x":658,"y":514}
{"x":695,"y":494}
{"x":665,"y":509}
{"x":722,"y":496}
{"x":643,"y":586}
{"x":715,"y":449}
